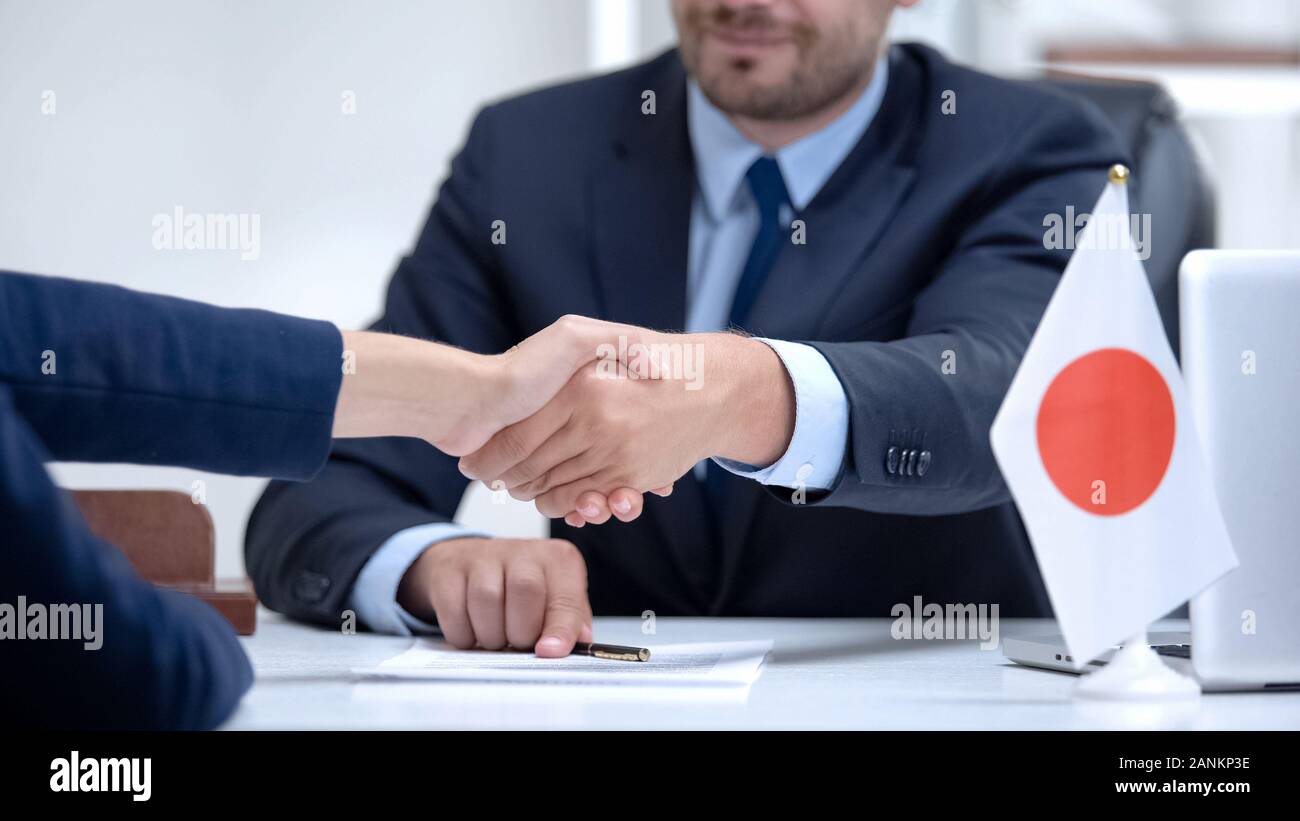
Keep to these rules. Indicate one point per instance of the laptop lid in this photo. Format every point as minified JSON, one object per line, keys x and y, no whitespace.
{"x":1240,"y":320}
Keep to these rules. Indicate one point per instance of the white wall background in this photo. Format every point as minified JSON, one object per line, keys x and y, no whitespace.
{"x":229,"y":107}
{"x":222,"y":106}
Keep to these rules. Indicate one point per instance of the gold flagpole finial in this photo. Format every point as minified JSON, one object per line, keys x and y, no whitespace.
{"x":1119,"y":173}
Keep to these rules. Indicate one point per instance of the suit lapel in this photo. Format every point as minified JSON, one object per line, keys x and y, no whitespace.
{"x":843,"y":223}
{"x":641,"y":211}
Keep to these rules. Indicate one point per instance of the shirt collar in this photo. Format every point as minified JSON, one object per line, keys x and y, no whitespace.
{"x":723,"y":154}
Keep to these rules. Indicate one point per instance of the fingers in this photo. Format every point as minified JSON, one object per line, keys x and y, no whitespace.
{"x":560,"y":500}
{"x":574,"y":519}
{"x":484,"y":600}
{"x":494,"y":593}
{"x":525,"y":601}
{"x":567,"y":610}
{"x":585,"y":633}
{"x":585,"y":463}
{"x":593,"y":507}
{"x":513,"y":444}
{"x":538,"y":468}
{"x":448,"y":597}
{"x":626,"y":504}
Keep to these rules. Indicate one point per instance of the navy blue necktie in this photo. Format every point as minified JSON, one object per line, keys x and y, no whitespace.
{"x":768,"y":188}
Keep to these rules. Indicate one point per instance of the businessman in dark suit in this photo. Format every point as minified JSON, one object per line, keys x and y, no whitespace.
{"x":872,"y":215}
{"x":97,"y":373}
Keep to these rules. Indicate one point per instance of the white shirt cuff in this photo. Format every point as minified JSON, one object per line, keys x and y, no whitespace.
{"x":821,"y":424}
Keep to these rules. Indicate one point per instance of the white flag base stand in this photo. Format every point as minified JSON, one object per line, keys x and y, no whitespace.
{"x":1136,"y":673}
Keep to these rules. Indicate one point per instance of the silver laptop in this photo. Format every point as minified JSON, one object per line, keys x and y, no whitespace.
{"x":1240,"y":317}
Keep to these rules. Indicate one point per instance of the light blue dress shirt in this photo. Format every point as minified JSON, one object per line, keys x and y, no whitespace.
{"x":724,"y":221}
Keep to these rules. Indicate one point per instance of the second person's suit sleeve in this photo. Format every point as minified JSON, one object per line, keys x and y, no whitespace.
{"x":106,"y":374}
{"x":151,"y":658}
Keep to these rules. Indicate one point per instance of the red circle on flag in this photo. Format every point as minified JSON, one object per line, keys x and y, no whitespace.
{"x":1106,"y":431}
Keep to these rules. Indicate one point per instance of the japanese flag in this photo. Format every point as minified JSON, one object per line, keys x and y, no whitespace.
{"x":1096,"y":442}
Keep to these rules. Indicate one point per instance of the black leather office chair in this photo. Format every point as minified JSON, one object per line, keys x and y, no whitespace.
{"x":1169,"y":181}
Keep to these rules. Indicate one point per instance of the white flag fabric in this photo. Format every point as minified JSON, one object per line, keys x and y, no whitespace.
{"x":1096,"y":442}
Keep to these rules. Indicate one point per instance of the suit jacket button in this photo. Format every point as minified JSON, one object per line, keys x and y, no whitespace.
{"x":891,"y":461}
{"x":909,"y":462}
{"x":923,"y":463}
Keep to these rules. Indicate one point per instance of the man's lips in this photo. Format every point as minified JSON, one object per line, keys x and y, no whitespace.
{"x":740,"y":39}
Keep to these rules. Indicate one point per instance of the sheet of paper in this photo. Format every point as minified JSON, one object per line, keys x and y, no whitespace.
{"x":717,"y":664}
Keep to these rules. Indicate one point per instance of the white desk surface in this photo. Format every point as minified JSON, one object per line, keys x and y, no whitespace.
{"x":822,"y":673}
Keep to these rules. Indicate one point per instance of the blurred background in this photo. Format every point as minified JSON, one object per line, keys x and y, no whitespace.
{"x":332,"y":121}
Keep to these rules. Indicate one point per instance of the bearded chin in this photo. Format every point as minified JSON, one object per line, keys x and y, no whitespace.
{"x":737,"y":93}
{"x":828,"y":68}
{"x":734,"y":90}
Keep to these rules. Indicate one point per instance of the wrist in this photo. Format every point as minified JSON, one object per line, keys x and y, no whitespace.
{"x":753,"y":410}
{"x":451,"y":391}
{"x":399,"y":386}
{"x":414,"y":592}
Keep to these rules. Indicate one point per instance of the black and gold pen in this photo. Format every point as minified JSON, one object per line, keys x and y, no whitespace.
{"x":614,"y":652}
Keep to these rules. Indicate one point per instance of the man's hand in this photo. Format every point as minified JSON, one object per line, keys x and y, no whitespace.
{"x":514,"y":385}
{"x":490,"y":593}
{"x":604,"y":431}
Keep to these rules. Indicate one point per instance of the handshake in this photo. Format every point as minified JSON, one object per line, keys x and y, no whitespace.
{"x":583,"y":418}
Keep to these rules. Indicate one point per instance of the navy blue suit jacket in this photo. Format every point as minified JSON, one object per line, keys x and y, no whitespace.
{"x":927,"y":239}
{"x":99,"y":373}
